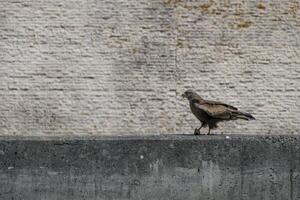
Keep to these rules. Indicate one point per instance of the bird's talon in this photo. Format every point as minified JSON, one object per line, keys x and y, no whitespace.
{"x":196,"y":132}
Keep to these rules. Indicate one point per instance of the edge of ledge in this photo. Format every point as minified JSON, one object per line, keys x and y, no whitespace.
{"x":179,"y":137}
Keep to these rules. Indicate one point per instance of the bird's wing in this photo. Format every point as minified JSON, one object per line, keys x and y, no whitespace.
{"x":218,"y":111}
{"x":220,"y":103}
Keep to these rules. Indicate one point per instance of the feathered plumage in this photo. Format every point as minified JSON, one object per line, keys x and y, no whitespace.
{"x":212,"y":112}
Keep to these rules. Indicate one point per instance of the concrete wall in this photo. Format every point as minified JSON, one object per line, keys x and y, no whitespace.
{"x":119,"y":67}
{"x":151,"y":168}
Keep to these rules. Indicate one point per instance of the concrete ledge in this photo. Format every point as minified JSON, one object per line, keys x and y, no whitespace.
{"x":152,"y":167}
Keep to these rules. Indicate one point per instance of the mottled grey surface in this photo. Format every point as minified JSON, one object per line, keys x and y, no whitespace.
{"x":118,"y":67}
{"x":172,"y":167}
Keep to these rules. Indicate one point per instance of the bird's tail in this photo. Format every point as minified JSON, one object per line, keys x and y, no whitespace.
{"x":243,"y":115}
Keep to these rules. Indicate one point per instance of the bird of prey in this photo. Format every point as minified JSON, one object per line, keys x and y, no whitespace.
{"x":211,"y":112}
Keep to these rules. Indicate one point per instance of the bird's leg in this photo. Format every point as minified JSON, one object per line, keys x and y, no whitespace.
{"x":197,"y":131}
{"x":200,"y":127}
{"x":208,"y":131}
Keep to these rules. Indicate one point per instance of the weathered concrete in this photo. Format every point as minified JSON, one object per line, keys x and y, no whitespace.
{"x":171,"y":167}
{"x":108,"y":67}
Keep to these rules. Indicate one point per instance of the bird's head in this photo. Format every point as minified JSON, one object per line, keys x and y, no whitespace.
{"x":190,"y":94}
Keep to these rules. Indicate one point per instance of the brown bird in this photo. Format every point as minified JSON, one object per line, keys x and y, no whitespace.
{"x":211,"y":112}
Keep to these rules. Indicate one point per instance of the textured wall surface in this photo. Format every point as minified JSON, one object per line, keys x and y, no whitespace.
{"x":165,"y":167}
{"x":119,"y":67}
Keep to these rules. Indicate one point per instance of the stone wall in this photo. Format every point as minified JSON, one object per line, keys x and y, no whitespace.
{"x":119,"y":67}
